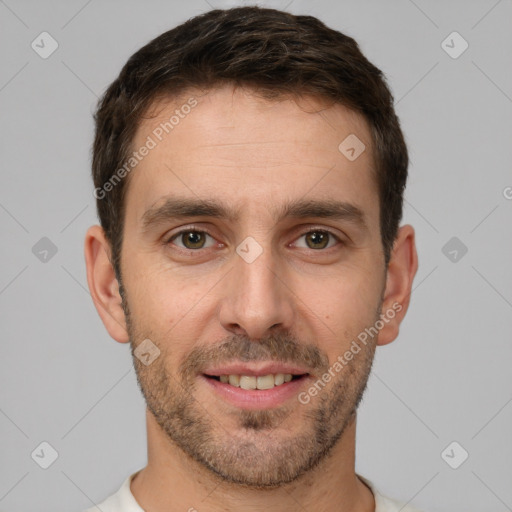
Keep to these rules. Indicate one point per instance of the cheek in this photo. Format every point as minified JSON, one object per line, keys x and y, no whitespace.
{"x":342,"y":307}
{"x":163,"y":305}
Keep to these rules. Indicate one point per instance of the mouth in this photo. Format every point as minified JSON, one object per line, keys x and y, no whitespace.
{"x":256,"y":387}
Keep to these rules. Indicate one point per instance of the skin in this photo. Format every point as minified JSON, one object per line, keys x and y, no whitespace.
{"x":297,"y":301}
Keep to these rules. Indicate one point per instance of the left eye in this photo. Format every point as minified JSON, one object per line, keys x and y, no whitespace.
{"x":318,"y":239}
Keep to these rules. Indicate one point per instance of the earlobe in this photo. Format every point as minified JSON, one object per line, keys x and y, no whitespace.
{"x":402,"y":268}
{"x":103,"y":284}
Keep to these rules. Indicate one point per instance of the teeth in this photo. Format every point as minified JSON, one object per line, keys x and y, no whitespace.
{"x":261,"y":382}
{"x":247,"y":382}
{"x":265,"y":382}
{"x":279,"y":379}
{"x":234,"y":380}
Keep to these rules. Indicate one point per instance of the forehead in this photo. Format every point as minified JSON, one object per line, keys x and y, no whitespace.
{"x":232,"y":144}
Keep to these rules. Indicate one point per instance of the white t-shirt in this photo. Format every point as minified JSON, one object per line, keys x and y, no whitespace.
{"x":124,"y":501}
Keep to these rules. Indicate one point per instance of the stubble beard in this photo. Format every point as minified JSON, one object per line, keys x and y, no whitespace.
{"x":256,"y":453}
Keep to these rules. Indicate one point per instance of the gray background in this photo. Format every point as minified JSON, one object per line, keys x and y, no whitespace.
{"x":447,"y":377}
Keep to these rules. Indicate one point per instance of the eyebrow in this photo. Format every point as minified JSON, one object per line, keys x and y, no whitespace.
{"x":180,"y":208}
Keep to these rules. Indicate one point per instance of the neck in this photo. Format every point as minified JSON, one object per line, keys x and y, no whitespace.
{"x":171,"y":481}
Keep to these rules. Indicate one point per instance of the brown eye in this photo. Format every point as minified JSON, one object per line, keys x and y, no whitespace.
{"x":191,"y":239}
{"x":318,"y":239}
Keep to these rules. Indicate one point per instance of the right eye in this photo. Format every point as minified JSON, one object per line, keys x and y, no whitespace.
{"x":191,"y":239}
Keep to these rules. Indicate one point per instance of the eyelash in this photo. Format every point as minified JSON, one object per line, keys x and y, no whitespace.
{"x":205,"y":231}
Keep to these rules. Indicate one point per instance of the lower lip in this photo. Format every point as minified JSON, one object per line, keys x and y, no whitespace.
{"x":257,"y":398}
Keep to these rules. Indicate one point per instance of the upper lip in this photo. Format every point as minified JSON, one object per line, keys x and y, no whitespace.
{"x":255,"y":369}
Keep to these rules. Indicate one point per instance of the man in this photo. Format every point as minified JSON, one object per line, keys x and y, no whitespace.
{"x":249,"y":171}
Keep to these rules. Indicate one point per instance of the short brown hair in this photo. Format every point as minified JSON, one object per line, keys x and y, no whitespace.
{"x":270,"y":51}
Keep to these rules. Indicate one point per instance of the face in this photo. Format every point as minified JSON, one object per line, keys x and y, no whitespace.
{"x":252,"y":254}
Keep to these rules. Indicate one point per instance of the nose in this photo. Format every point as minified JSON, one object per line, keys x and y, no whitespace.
{"x":256,"y":300}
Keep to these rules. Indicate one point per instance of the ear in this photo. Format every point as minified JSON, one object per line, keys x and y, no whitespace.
{"x":103,"y":284}
{"x":402,"y":268}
